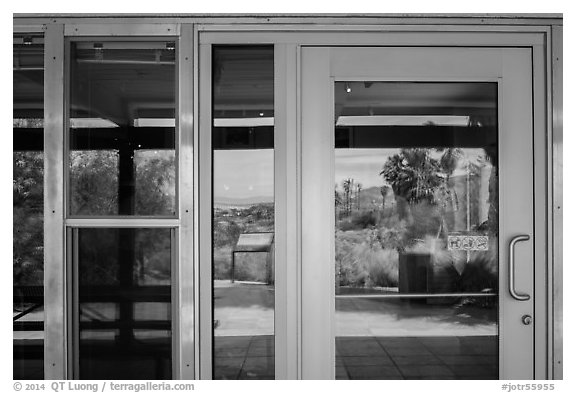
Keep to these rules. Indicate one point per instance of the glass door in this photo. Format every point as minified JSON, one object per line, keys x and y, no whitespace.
{"x":417,"y":191}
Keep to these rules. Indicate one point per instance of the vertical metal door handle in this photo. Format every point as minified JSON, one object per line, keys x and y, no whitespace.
{"x":515,"y":295}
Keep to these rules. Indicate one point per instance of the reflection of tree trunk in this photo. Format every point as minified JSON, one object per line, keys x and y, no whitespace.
{"x":401,"y":207}
{"x":493,"y":200}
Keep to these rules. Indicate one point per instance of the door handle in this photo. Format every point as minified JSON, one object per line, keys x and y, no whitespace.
{"x":516,"y":295}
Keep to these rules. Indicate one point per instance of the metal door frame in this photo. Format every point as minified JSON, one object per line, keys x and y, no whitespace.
{"x":509,"y":67}
{"x":288,"y":153}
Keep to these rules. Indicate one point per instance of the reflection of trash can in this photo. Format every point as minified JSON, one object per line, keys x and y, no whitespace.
{"x":414,"y":272}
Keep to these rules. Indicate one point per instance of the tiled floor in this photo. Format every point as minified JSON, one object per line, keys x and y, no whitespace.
{"x":417,"y":357}
{"x":244,"y":357}
{"x":252,"y":357}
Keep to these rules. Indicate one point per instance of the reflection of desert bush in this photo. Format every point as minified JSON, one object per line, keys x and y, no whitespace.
{"x":226,"y":233}
{"x":393,"y":237}
{"x":359,"y":220}
{"x":94,"y":183}
{"x":155,"y":255}
{"x":382,"y":268}
{"x":362,"y":262}
{"x":101,"y":252}
{"x":248,"y":266}
{"x":222,"y":257}
{"x":479,"y":275}
{"x":28,"y":218}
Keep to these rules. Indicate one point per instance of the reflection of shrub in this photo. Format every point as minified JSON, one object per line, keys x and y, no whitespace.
{"x":222,"y":259}
{"x":251,"y":267}
{"x":478,"y":275}
{"x":248,"y":266}
{"x":393,"y":238}
{"x":226,"y":233}
{"x":362,"y":262}
{"x":364,"y":219}
{"x":360,"y":220}
{"x":383,"y":269}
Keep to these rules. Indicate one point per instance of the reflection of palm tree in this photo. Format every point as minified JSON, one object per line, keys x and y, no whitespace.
{"x":348,"y":185}
{"x":384,"y":191}
{"x":413,"y":175}
{"x":446,"y":196}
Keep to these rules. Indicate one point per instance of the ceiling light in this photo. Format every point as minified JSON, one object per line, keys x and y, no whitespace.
{"x":348,"y":88}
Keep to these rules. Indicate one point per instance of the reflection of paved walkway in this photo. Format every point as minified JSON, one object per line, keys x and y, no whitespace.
{"x":417,"y":357}
{"x":376,"y":338}
{"x":402,"y":317}
{"x":370,"y":358}
{"x":243,"y":309}
{"x":246,"y":309}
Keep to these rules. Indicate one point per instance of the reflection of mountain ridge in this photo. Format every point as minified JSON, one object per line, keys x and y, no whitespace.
{"x":223,"y":202}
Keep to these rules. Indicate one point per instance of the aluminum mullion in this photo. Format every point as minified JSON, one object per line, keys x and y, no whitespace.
{"x":541,"y":260}
{"x":175,"y":315}
{"x":196,"y":203}
{"x":413,"y":37}
{"x":282,"y":294}
{"x":187,"y":245}
{"x":55,"y":328}
{"x":74,"y":304}
{"x":417,"y":295}
{"x":204,"y":201}
{"x":557,"y":200}
{"x":122,"y":223}
{"x":122,"y":29}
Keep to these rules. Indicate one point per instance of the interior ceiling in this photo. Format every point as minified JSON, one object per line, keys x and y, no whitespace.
{"x":125,"y":84}
{"x":243,"y":81}
{"x":415,"y":98}
{"x":28,"y":81}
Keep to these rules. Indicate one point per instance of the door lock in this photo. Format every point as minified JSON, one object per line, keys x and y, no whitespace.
{"x":527,"y":319}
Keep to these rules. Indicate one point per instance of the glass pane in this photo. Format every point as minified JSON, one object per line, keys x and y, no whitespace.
{"x":28,"y":207}
{"x":416,"y":194}
{"x":124,"y":311}
{"x":122,"y":140}
{"x":243,"y":212}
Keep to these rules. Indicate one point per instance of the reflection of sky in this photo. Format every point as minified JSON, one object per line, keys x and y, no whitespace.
{"x":243,"y":173}
{"x":364,"y":165}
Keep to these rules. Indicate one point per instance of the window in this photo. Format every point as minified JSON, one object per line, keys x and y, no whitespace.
{"x":122,"y":302}
{"x":28,"y":207}
{"x":122,"y":157}
{"x":243,"y":212}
